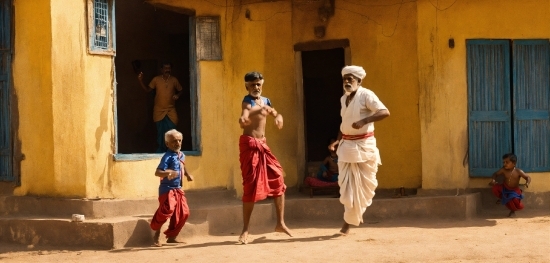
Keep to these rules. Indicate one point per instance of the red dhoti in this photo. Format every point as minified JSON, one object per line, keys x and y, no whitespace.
{"x":262,"y":173}
{"x":173,"y":205}
{"x":510,"y":199}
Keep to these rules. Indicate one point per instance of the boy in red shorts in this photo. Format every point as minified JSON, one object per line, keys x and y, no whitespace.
{"x":508,"y":191}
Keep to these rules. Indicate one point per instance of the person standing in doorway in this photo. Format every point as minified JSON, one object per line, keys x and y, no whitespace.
{"x":168,"y":90}
{"x":358,"y":156}
{"x":261,"y":171}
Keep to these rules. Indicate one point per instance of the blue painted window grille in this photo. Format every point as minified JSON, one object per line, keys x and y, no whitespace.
{"x":101,"y":24}
{"x":508,"y":104}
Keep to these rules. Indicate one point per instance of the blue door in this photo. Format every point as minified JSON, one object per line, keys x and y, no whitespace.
{"x":6,"y":172}
{"x":531,"y":107}
{"x":489,"y":104}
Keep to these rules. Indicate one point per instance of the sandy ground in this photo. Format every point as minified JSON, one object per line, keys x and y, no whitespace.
{"x":489,"y":238}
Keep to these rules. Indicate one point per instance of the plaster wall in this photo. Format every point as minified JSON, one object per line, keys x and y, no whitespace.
{"x":382,"y":36}
{"x":80,"y":95}
{"x":32,"y":82}
{"x":443,"y":78}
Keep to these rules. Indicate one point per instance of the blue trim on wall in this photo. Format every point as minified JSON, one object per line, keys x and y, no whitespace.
{"x":194,"y":87}
{"x":6,"y":156}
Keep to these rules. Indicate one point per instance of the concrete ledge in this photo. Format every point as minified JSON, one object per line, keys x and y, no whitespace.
{"x":218,"y":216}
{"x":57,"y":232}
{"x":102,"y":208}
{"x":64,"y":208}
{"x":531,"y":200}
{"x":456,"y":207}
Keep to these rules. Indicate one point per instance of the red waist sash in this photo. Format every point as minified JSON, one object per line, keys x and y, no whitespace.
{"x":357,"y":136}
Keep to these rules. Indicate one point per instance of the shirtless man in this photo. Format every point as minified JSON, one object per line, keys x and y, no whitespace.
{"x":508,"y":192}
{"x":262,"y":173}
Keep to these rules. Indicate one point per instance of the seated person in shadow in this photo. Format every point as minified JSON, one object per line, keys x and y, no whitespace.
{"x":327,"y":174}
{"x":328,"y":171}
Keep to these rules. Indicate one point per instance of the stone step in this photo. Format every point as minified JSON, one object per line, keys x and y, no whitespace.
{"x":222,"y":217}
{"x":102,"y":208}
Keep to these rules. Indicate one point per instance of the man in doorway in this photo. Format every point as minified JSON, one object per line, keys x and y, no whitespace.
{"x":168,"y":90}
{"x":358,"y":156}
{"x":262,"y":173}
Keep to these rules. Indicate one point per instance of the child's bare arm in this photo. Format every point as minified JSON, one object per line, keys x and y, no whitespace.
{"x":495,"y":175}
{"x":526,"y":177}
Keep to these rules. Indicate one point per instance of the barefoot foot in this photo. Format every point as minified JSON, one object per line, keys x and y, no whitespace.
{"x":156,"y":241}
{"x":283,"y":229}
{"x":512,"y":214}
{"x":243,"y":238}
{"x":345,"y":229}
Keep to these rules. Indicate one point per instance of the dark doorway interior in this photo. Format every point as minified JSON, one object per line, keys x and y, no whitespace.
{"x":322,"y":91}
{"x":150,"y":36}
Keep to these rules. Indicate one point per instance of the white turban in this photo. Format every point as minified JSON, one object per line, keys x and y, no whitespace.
{"x":354,"y":70}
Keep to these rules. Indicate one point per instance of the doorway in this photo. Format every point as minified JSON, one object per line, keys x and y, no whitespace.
{"x":147,"y":37}
{"x":322,"y":85}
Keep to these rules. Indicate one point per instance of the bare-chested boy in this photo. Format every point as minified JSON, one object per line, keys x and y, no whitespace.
{"x":508,"y":192}
{"x":262,"y":173}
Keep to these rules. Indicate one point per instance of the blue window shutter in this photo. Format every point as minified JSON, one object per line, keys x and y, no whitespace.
{"x":6,"y":173}
{"x":531,"y":104}
{"x":489,"y":109}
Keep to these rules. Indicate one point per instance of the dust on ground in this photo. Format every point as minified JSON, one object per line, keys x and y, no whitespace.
{"x":491,"y":237}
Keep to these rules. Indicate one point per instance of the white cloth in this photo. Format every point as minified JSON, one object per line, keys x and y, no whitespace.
{"x":357,"y":183}
{"x":358,"y":160}
{"x":364,"y":104}
{"x":354,"y":70}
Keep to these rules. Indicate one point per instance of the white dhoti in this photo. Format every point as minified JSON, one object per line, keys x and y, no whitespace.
{"x":357,"y":180}
{"x":358,"y":160}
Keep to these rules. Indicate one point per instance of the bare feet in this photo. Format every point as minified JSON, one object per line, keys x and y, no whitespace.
{"x":156,"y":241}
{"x":512,"y":214}
{"x":173,"y":240}
{"x":345,"y":229}
{"x":243,"y":238}
{"x":282,"y":229}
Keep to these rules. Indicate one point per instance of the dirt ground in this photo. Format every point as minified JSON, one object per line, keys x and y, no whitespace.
{"x":489,"y":238}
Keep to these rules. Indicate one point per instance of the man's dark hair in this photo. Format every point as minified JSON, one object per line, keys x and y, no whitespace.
{"x":166,"y":63}
{"x":510,"y":156}
{"x":251,"y":76}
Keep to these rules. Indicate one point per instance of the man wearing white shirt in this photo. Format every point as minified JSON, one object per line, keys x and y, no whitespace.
{"x":358,"y":156}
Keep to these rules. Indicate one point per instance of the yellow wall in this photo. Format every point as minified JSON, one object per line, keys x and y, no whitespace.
{"x":382,"y":40}
{"x":32,"y":81}
{"x":80,"y":97}
{"x":66,"y":96}
{"x":442,"y":73}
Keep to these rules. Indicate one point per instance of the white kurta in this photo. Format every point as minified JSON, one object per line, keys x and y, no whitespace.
{"x":358,"y":160}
